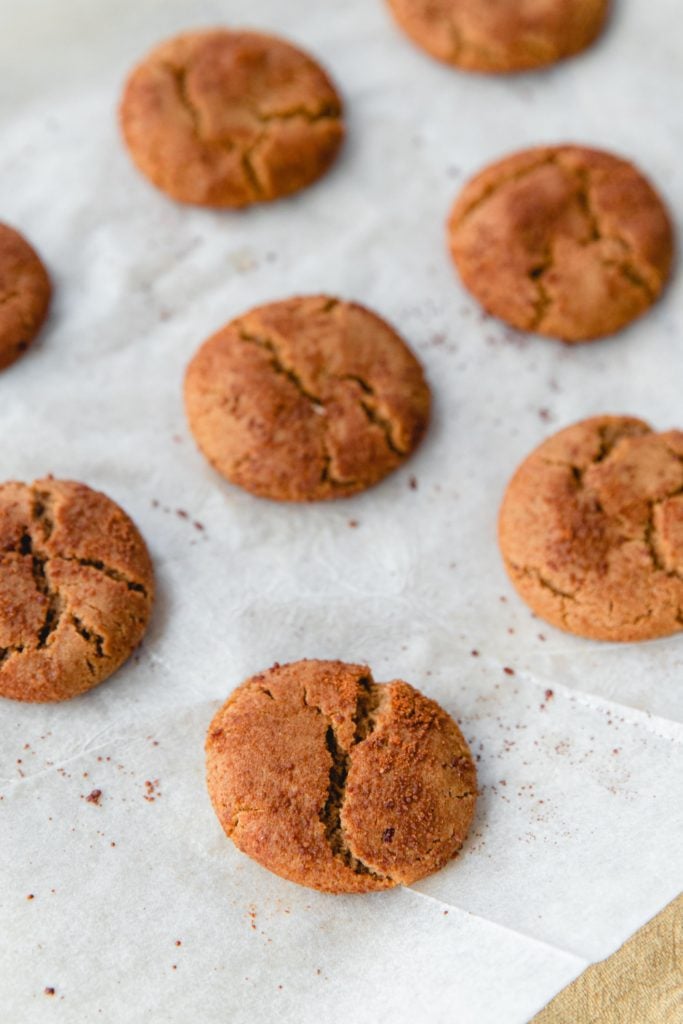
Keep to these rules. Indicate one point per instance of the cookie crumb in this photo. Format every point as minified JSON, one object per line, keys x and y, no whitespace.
{"x":94,"y":797}
{"x":30,"y":896}
{"x":549,"y":694}
{"x":49,"y":990}
{"x":508,"y":671}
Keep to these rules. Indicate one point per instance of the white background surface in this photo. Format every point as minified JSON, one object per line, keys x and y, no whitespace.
{"x":577,"y":837}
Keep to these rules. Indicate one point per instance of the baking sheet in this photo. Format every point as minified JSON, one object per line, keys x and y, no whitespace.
{"x":578,"y":832}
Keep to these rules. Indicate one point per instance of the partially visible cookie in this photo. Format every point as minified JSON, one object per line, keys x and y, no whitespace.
{"x":227,"y":118}
{"x":564,"y":241}
{"x":339,"y":783}
{"x":306,"y":399}
{"x":24,"y":294}
{"x":76,"y":589}
{"x":501,"y":35}
{"x":591,"y":530}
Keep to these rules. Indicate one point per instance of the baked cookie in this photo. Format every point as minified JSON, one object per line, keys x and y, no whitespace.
{"x":591,"y":530}
{"x":501,"y":35}
{"x":76,"y":589}
{"x":306,"y":399}
{"x":24,"y":295}
{"x":336,"y":782}
{"x":223,"y":118}
{"x":563,"y":241}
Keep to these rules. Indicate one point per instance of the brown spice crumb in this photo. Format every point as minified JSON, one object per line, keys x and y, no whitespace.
{"x":94,"y":797}
{"x":353,"y":523}
{"x":178,"y":942}
{"x":412,"y":483}
{"x":508,"y":671}
{"x":30,"y":896}
{"x":475,"y":654}
{"x":549,"y":694}
{"x":182,"y":513}
{"x":49,"y":991}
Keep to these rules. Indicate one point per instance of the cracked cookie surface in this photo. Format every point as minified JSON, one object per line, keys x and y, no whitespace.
{"x":591,"y":530}
{"x":339,"y":783}
{"x":24,"y":294}
{"x":306,"y":399}
{"x":226,"y":119}
{"x":563,"y":241}
{"x":501,"y":35}
{"x":76,"y":589}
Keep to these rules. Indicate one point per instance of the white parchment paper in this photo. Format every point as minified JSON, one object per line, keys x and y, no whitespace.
{"x":140,"y":908}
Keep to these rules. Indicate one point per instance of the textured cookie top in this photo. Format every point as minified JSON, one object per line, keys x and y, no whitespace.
{"x":591,"y":530}
{"x":501,"y":35}
{"x":306,"y":399}
{"x":336,"y":782}
{"x":223,"y":118}
{"x":24,"y":294}
{"x":565,"y":241}
{"x":76,"y":589}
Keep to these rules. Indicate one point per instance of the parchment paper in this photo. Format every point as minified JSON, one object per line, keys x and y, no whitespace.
{"x":578,"y":833}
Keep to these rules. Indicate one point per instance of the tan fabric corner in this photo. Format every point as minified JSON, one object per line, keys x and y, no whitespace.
{"x":642,"y":983}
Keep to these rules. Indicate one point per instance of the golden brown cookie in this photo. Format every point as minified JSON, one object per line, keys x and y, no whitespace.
{"x":24,"y":294}
{"x":223,"y":118}
{"x":306,"y":399}
{"x":76,"y":589}
{"x":339,"y":783}
{"x":501,"y":35}
{"x":591,"y":530}
{"x":563,"y":241}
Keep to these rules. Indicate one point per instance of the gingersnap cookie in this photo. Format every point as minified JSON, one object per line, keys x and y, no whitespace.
{"x":339,"y":783}
{"x":501,"y":35}
{"x":306,"y":399}
{"x":76,"y":589}
{"x":563,"y":241}
{"x":24,"y":294}
{"x":591,"y":530}
{"x":222,"y":118}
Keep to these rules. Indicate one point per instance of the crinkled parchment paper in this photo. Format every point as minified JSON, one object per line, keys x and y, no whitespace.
{"x":140,"y":908}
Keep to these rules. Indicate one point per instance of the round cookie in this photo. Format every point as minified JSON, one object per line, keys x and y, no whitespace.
{"x":564,"y":241}
{"x":336,"y":782}
{"x":306,"y":399}
{"x":501,"y":35}
{"x":24,"y":295}
{"x":76,"y":589}
{"x":591,"y":530}
{"x":221,"y":118}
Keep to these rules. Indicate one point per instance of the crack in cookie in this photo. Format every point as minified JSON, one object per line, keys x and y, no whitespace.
{"x":42,"y":528}
{"x":571,"y":243}
{"x":226,"y":119}
{"x":336,"y":782}
{"x":334,"y":401}
{"x":600,"y":528}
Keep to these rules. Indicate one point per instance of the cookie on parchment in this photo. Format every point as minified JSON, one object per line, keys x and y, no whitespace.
{"x":76,"y":589}
{"x":306,"y":399}
{"x":24,"y":294}
{"x":564,"y":241}
{"x":591,"y":530}
{"x":339,"y":783}
{"x":226,"y":118}
{"x":501,"y":35}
